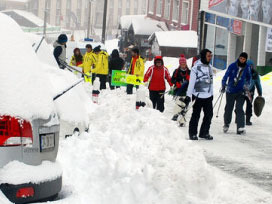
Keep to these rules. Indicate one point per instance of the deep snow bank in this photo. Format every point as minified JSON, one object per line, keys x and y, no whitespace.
{"x":24,"y":90}
{"x":133,"y":157}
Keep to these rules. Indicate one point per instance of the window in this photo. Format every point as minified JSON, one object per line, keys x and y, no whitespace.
{"x":144,"y":7}
{"x":47,"y":8}
{"x":136,"y":6}
{"x":176,"y":10}
{"x":68,"y":13}
{"x":185,"y":13}
{"x":120,"y":8}
{"x":34,"y":7}
{"x":159,"y":7}
{"x":151,"y":6}
{"x":78,"y":12}
{"x":128,"y":7}
{"x":167,"y":7}
{"x":58,"y":12}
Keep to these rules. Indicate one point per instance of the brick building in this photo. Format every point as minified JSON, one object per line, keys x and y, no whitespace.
{"x":177,"y":14}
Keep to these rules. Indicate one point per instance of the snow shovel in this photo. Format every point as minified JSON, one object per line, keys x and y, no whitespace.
{"x":72,"y":68}
{"x":259,"y":103}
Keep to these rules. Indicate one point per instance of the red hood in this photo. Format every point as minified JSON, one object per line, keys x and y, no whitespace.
{"x":158,"y":58}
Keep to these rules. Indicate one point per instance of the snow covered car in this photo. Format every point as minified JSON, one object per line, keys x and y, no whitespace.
{"x":29,"y":125}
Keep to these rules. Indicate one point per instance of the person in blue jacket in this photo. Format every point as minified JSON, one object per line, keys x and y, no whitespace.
{"x":236,"y":83}
{"x":255,"y":83}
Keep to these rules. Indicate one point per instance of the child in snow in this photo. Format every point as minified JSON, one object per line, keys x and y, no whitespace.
{"x":157,"y":75}
{"x":180,"y":79}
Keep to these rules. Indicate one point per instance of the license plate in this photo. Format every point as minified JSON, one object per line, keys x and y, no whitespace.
{"x":47,"y":142}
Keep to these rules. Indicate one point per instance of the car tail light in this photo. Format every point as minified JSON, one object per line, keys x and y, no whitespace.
{"x":15,"y":132}
{"x":25,"y":192}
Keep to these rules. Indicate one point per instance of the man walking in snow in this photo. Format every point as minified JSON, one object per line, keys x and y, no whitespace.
{"x":157,"y":75}
{"x":255,"y":83}
{"x":201,"y":90}
{"x":237,"y":80}
{"x":136,"y":67}
{"x":60,"y":50}
{"x":180,"y":79}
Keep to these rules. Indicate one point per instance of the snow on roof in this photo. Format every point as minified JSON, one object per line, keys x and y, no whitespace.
{"x":29,"y":16}
{"x":188,"y":39}
{"x":143,"y":25}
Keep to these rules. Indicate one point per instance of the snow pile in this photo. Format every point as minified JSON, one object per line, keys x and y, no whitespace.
{"x":133,"y":157}
{"x":187,"y":39}
{"x":19,"y":173}
{"x":3,"y":199}
{"x":25,"y":92}
{"x":126,"y":20}
{"x":111,"y":45}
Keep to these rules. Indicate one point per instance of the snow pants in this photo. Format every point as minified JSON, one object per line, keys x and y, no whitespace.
{"x":249,"y":107}
{"x":207,"y":106}
{"x":237,"y":99}
{"x":157,"y":98}
{"x":102,"y":79}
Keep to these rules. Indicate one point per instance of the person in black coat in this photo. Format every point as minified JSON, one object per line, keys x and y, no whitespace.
{"x":116,"y":63}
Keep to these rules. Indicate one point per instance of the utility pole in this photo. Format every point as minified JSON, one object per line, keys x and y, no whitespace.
{"x":104,"y":21}
{"x":89,"y":18}
{"x":45,"y":19}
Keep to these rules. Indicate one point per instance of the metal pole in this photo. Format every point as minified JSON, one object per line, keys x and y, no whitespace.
{"x":89,"y":19}
{"x":104,"y":21}
{"x":45,"y":18}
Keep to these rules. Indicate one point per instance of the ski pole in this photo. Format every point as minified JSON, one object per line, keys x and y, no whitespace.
{"x":38,"y":47}
{"x":219,"y":105}
{"x":217,"y":100}
{"x":68,"y":89}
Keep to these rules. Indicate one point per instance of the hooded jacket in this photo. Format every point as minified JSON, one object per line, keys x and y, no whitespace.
{"x":157,"y":76}
{"x":88,"y":61}
{"x":101,"y":65}
{"x":116,"y":62}
{"x":59,"y":52}
{"x":234,"y":83}
{"x":255,"y":79}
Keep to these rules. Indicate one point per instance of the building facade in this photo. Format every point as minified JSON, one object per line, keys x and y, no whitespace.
{"x":177,"y":14}
{"x":73,"y":14}
{"x":228,"y":29}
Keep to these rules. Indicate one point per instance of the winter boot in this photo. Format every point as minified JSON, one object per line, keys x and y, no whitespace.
{"x":225,"y":128}
{"x":241,"y":131}
{"x":206,"y":137}
{"x":248,"y":122}
{"x":193,"y":137}
{"x":175,"y":117}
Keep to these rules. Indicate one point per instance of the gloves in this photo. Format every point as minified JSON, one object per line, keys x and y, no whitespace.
{"x":223,"y":89}
{"x":187,"y":100}
{"x":178,"y":85}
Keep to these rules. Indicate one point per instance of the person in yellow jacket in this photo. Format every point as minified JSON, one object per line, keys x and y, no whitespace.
{"x":101,"y":66}
{"x":88,"y":62}
{"x":136,"y":67}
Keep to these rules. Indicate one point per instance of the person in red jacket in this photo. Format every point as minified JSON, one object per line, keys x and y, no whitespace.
{"x":157,"y":75}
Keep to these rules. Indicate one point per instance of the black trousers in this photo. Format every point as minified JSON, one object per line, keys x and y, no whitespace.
{"x":249,"y":107}
{"x":237,"y":99}
{"x":112,"y":87}
{"x":130,"y":88}
{"x":157,"y":98}
{"x":102,"y":79}
{"x":207,"y":106}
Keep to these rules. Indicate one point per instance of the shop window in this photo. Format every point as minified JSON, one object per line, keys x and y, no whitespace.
{"x":176,"y":10}
{"x":185,"y":13}
{"x":220,"y":48}
{"x":210,"y":34}
{"x":167,"y":6}
{"x":159,"y":8}
{"x":151,"y":6}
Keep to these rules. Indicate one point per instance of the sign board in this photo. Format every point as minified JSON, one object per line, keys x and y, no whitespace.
{"x":268,"y":47}
{"x":121,"y":78}
{"x":236,"y":27}
{"x":254,"y":10}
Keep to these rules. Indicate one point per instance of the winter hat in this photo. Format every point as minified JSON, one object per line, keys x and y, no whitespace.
{"x":97,"y":49}
{"x":244,"y":55}
{"x":88,"y":46}
{"x":158,"y":58}
{"x":182,"y":60}
{"x":62,"y":38}
{"x":115,"y":53}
